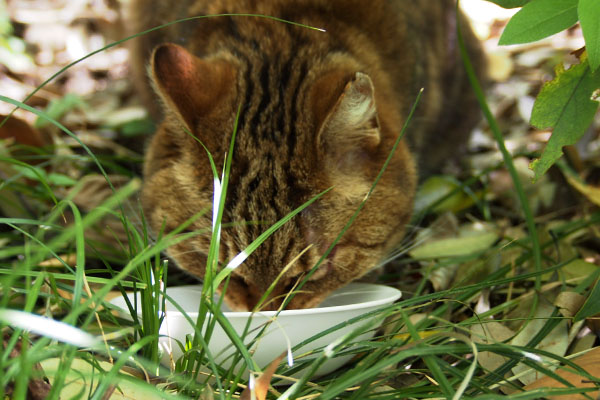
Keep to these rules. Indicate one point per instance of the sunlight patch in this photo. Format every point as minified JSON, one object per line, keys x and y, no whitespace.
{"x":237,"y":260}
{"x":49,"y":328}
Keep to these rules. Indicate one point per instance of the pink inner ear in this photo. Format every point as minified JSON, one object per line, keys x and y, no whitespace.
{"x":190,"y":85}
{"x":173,"y":65}
{"x":176,"y":74}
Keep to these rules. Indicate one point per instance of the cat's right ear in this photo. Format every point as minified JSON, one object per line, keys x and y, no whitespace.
{"x":189,"y":85}
{"x":353,"y":122}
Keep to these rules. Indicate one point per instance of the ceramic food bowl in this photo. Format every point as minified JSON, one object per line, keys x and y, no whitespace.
{"x":290,"y":328}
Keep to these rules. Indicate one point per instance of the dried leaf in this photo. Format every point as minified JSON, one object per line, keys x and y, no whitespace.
{"x":500,"y":66}
{"x":578,"y":269}
{"x":592,"y":193}
{"x":555,"y":342}
{"x":207,"y":393}
{"x":589,"y":361}
{"x":69,"y":259}
{"x":442,"y":277}
{"x":37,"y":388}
{"x":454,"y":247}
{"x":21,"y":132}
{"x":262,"y":383}
{"x":569,"y":303}
{"x":490,"y":332}
{"x":583,"y":343}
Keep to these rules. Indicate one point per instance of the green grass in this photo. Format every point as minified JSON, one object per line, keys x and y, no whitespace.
{"x":427,"y":346}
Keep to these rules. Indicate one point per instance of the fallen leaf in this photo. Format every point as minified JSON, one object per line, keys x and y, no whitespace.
{"x":500,"y":65}
{"x":594,"y":324}
{"x":37,"y":388}
{"x":578,"y":269}
{"x":21,"y":132}
{"x":589,"y":361}
{"x":455,"y":247}
{"x":262,"y":383}
{"x":556,"y":342}
{"x":569,"y":303}
{"x":490,"y":332}
{"x":442,"y":277}
{"x":207,"y":393}
{"x":83,"y":377}
{"x":434,"y":189}
{"x":591,"y":306}
{"x":583,"y":343}
{"x":69,"y":259}
{"x":592,"y":193}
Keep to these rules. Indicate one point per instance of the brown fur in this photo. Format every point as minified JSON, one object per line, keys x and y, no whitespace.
{"x":319,"y":110}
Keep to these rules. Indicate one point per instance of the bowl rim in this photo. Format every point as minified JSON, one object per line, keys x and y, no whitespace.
{"x":392,"y":295}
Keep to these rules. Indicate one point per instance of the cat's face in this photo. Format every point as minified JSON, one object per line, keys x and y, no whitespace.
{"x":302,"y":130}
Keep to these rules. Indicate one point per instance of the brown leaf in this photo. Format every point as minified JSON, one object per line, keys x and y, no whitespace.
{"x":70,"y":259}
{"x":207,"y":393}
{"x":593,"y":323}
{"x":592,"y":193}
{"x":21,"y":132}
{"x":569,"y":303}
{"x":500,"y":65}
{"x":589,"y":361}
{"x":37,"y":387}
{"x":109,"y":392}
{"x":261,"y":385}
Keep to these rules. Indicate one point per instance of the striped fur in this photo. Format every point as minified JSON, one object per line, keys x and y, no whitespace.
{"x":318,"y":110}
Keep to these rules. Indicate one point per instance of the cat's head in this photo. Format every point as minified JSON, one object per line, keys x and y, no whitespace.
{"x":304,"y":127}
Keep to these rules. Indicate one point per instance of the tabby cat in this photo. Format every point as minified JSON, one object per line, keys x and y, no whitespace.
{"x":318,"y":110}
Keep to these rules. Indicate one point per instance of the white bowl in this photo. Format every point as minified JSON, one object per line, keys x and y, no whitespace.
{"x":294,"y":326}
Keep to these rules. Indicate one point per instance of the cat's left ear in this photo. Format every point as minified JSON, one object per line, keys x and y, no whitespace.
{"x":189,"y":85}
{"x":353,"y":119}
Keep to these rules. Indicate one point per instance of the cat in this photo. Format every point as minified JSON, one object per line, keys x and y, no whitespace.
{"x":319,"y":110}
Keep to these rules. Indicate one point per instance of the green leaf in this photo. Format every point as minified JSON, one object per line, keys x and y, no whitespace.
{"x":589,"y":17}
{"x":591,"y":306}
{"x":539,"y":19}
{"x":443,"y":193}
{"x":564,"y":104}
{"x":579,"y":269}
{"x":510,"y":3}
{"x":60,"y":180}
{"x":39,"y":175}
{"x":57,"y":108}
{"x":83,"y":377}
{"x":138,"y":127}
{"x":455,"y":247}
